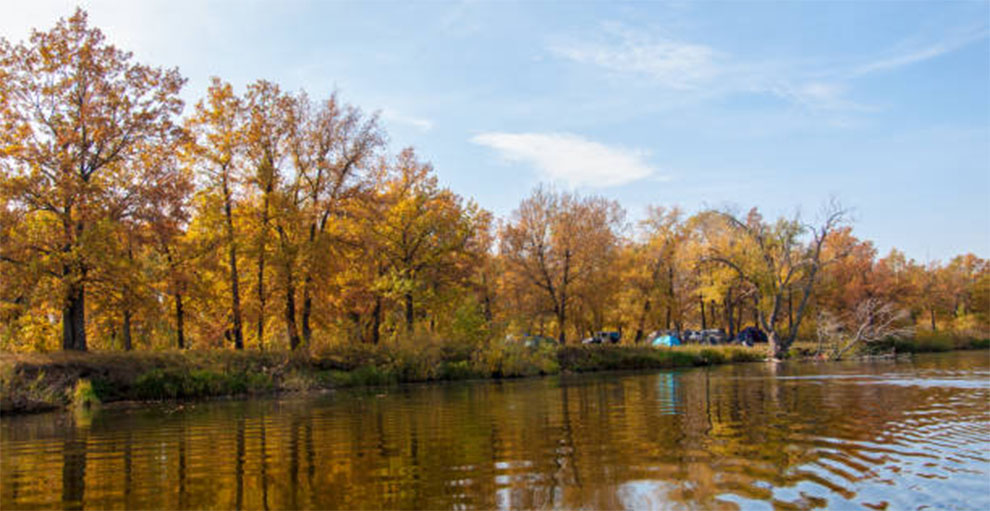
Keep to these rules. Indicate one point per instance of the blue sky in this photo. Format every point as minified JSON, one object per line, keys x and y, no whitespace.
{"x":885,"y":105}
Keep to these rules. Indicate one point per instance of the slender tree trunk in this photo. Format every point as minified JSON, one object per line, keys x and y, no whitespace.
{"x":376,"y":321}
{"x":128,"y":300}
{"x":561,"y":321}
{"x":235,"y":294}
{"x":730,"y":326}
{"x":932,"y":311}
{"x":408,"y":298}
{"x":790,"y":311}
{"x":261,"y":265}
{"x":180,"y":319}
{"x":177,"y":296}
{"x":307,"y":306}
{"x":261,"y":298}
{"x":290,"y":310}
{"x":704,"y":323}
{"x":128,"y":345}
{"x":307,"y":332}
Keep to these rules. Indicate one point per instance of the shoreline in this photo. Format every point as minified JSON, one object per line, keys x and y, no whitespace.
{"x":35,"y":383}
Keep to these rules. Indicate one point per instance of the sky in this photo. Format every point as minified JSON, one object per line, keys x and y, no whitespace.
{"x":779,"y":105}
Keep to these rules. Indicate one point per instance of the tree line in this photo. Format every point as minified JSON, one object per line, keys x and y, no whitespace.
{"x":267,"y":219}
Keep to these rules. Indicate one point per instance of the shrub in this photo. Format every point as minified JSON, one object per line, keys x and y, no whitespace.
{"x":83,"y":395}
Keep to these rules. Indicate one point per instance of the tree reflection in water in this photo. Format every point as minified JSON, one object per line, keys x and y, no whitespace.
{"x":800,"y":435}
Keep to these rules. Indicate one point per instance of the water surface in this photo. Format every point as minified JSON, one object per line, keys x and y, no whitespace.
{"x":883,"y":435}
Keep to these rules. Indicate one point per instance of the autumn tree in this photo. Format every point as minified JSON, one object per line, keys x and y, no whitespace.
{"x":423,"y":233}
{"x":775,"y":259}
{"x":75,"y":114}
{"x":216,"y":150}
{"x":557,"y":241}
{"x":332,"y":147}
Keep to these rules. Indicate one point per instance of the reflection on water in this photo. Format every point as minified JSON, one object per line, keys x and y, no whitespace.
{"x":905,"y":435}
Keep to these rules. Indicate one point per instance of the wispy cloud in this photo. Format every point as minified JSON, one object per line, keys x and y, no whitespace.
{"x":706,"y":72}
{"x":920,"y":53}
{"x":671,"y":63}
{"x":397,"y":117}
{"x":569,"y":158}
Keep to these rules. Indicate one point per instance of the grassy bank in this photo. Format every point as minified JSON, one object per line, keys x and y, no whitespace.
{"x":922,"y":342}
{"x":35,"y":382}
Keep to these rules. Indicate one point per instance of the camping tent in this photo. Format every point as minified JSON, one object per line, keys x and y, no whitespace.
{"x":666,"y":340}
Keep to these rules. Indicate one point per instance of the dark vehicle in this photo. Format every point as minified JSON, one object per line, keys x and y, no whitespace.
{"x":751,"y":335}
{"x":603,"y":338}
{"x":609,"y":337}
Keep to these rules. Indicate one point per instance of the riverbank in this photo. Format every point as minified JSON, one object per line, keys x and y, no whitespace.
{"x":43,"y":381}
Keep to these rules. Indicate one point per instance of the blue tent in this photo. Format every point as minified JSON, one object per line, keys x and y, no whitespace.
{"x":666,"y":340}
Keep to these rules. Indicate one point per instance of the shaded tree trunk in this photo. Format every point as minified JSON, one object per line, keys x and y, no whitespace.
{"x":74,"y":319}
{"x":290,"y":311}
{"x":408,"y":298}
{"x":307,"y":308}
{"x":704,"y":322}
{"x":261,"y":265}
{"x":235,"y":294}
{"x":642,"y":321}
{"x":128,"y":345}
{"x":180,"y":322}
{"x":376,"y":321}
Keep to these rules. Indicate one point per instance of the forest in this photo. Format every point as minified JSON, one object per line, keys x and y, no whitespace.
{"x":266,"y":219}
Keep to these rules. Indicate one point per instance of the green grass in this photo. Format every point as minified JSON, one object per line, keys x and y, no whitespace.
{"x":34,"y":382}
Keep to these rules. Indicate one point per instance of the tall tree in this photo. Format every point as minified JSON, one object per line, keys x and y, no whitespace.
{"x":75,"y":113}
{"x":266,"y":134}
{"x":216,"y":127}
{"x":558,"y":241}
{"x":774,"y":259}
{"x":422,"y":231}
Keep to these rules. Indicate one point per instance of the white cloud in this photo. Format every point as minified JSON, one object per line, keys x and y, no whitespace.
{"x":920,"y":54}
{"x":569,"y":158}
{"x":401,"y":118}
{"x":674,"y":64}
{"x":702,"y":72}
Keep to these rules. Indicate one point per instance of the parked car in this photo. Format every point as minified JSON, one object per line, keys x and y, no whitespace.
{"x":751,"y":335}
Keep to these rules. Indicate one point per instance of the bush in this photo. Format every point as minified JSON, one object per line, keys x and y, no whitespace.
{"x":83,"y":396}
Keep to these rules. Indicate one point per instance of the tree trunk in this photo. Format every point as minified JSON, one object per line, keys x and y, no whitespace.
{"x":408,"y":298}
{"x":74,"y":319}
{"x":261,"y":266}
{"x":128,"y":345}
{"x":932,"y":311}
{"x":307,"y":308}
{"x":261,"y":298}
{"x":642,"y":321}
{"x":290,"y":311}
{"x":790,"y":311}
{"x":235,"y":294}
{"x":561,"y":321}
{"x":730,"y":326}
{"x":777,"y":350}
{"x":180,"y":319}
{"x":376,"y":324}
{"x":704,"y":323}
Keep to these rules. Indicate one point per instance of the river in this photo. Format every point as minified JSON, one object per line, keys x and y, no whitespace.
{"x":911,"y":434}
